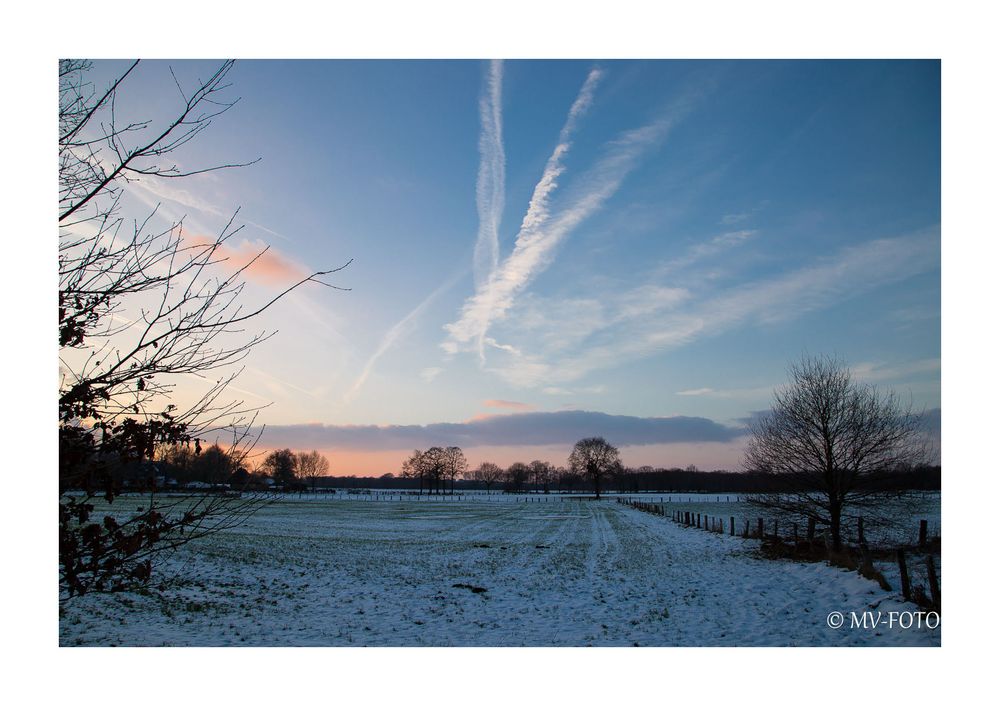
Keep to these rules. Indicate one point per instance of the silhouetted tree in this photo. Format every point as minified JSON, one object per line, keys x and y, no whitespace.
{"x":829,"y":443}
{"x":213,"y":465}
{"x":542,"y":474}
{"x":517,"y":475}
{"x":620,"y":474}
{"x":281,"y":465}
{"x":311,"y":466}
{"x":567,"y":479}
{"x":137,"y":308}
{"x":487,"y":473}
{"x":454,"y":464}
{"x":594,"y":459}
{"x":429,"y":467}
{"x":413,"y":467}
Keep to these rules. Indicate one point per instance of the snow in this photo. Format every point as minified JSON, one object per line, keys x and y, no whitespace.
{"x":555,"y":573}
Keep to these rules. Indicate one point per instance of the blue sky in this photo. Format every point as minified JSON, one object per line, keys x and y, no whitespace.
{"x":541,"y":239}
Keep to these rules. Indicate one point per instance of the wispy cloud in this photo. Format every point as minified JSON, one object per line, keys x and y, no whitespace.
{"x":713,"y":246}
{"x":508,"y":404}
{"x":733,"y":218}
{"x":619,"y":335}
{"x":428,"y":374}
{"x":698,"y":392}
{"x":737,"y":392}
{"x":879,"y":372}
{"x":567,"y":391}
{"x":398,"y":331}
{"x":153,"y":192}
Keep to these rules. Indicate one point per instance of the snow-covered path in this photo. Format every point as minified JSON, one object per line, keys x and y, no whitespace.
{"x":561,"y":573}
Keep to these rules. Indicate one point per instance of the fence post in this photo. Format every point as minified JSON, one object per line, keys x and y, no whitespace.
{"x":760,"y":527}
{"x":923,"y":533}
{"x":776,"y":529}
{"x":933,"y":581}
{"x":732,"y":526}
{"x":746,"y":530}
{"x":904,"y":578}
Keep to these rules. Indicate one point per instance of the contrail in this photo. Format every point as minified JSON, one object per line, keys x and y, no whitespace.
{"x":494,"y":295}
{"x":490,"y":181}
{"x":402,"y":328}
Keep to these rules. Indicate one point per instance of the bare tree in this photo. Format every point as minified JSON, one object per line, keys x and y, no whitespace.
{"x":542,"y":474}
{"x":312,"y":466}
{"x":454,"y":464}
{"x":567,"y":479}
{"x":413,"y":467}
{"x":139,"y":307}
{"x":433,"y":461}
{"x":487,"y":473}
{"x":829,"y":443}
{"x":517,"y":475}
{"x":594,"y":458}
{"x":429,"y":467}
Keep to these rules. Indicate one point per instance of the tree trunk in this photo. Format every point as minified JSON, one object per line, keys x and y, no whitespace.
{"x":835,"y":526}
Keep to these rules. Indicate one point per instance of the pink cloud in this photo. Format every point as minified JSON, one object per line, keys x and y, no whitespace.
{"x":270,"y":267}
{"x":507,"y":404}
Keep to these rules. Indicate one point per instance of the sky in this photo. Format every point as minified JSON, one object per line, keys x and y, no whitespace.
{"x":546,"y":250}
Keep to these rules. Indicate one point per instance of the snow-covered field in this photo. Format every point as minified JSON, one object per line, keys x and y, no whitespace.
{"x":474,"y":572}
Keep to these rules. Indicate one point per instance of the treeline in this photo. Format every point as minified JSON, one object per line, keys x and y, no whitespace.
{"x":446,"y":470}
{"x":542,"y":477}
{"x":190,"y":465}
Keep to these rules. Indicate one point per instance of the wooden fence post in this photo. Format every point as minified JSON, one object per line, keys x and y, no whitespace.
{"x":760,"y":527}
{"x":904,"y":578}
{"x":933,"y":581}
{"x":746,"y":530}
{"x":732,"y":526}
{"x":775,"y":529}
{"x":923,"y":533}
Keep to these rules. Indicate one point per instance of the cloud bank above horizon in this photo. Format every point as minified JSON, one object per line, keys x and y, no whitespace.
{"x":525,"y":429}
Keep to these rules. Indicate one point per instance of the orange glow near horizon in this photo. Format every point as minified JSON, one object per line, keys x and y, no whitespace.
{"x":707,"y":456}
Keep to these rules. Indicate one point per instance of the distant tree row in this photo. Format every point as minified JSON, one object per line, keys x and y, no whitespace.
{"x":182,"y":464}
{"x":592,"y":460}
{"x":516,"y":477}
{"x":289,"y":469}
{"x":436,"y":467}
